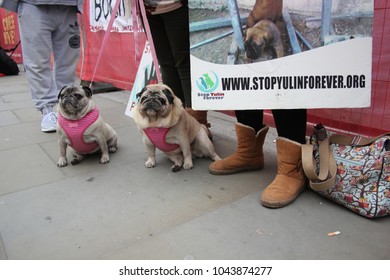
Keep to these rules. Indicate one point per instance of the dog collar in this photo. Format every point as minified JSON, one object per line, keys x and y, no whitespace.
{"x":157,"y":137}
{"x":75,"y":129}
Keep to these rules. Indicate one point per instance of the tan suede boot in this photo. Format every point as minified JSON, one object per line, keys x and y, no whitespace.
{"x":248,"y":156}
{"x":201,"y":117}
{"x":290,"y":180}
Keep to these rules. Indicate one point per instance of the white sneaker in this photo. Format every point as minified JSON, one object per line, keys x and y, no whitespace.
{"x":49,"y":122}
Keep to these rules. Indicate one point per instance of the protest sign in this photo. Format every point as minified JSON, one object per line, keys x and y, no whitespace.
{"x":146,"y":74}
{"x":316,"y":70}
{"x":100,"y":14}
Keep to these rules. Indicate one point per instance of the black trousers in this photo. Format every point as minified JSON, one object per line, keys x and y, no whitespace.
{"x":171,"y":38}
{"x":289,"y":123}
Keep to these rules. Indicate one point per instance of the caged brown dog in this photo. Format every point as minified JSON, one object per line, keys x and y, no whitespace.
{"x":165,"y":124}
{"x":265,"y":9}
{"x":81,"y":127}
{"x":262,"y":35}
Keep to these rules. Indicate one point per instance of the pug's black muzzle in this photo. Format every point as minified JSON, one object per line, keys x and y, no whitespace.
{"x":70,"y":100}
{"x":252,"y":50}
{"x":153,"y":103}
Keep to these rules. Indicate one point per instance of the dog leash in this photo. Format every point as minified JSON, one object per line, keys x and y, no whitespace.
{"x":135,"y":5}
{"x":134,"y":15}
{"x":150,"y":40}
{"x":105,"y":38}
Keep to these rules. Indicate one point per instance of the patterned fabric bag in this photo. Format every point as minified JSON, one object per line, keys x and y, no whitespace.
{"x":351,"y":171}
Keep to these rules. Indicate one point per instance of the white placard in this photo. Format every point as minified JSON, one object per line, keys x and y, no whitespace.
{"x":146,"y":74}
{"x":100,"y":14}
{"x":334,"y":76}
{"x":327,"y":59}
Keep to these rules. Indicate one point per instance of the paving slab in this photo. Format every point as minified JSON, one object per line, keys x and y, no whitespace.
{"x":97,"y":212}
{"x":8,"y":118}
{"x":26,"y":167}
{"x":24,"y":134}
{"x":245,"y":230}
{"x":28,"y":114}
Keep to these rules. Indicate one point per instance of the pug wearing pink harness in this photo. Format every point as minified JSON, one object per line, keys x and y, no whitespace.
{"x":165,"y":125}
{"x":81,"y":127}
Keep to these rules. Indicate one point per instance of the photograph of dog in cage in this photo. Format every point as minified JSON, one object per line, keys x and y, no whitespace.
{"x":246,"y":31}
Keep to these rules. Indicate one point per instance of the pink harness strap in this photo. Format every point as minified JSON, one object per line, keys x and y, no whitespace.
{"x":157,"y":137}
{"x":75,"y":129}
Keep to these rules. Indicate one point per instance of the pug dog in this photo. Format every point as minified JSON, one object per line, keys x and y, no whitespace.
{"x":165,"y":124}
{"x":261,"y":39}
{"x":81,"y":127}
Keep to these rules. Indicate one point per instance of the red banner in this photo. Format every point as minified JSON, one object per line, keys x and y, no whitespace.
{"x":374,"y":120}
{"x":9,"y":34}
{"x":118,"y":62}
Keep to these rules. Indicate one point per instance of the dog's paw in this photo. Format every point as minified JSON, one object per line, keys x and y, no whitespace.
{"x":175,"y":168}
{"x":112,"y":149}
{"x":188,"y":165}
{"x":62,"y":162}
{"x":75,"y":161}
{"x":150,"y":164}
{"x":216,"y":158}
{"x":104,"y":159}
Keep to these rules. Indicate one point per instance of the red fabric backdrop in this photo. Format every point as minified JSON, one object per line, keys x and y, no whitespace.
{"x":376,"y":119}
{"x":117,"y":64}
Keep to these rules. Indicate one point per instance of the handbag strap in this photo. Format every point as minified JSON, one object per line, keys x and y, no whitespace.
{"x":354,"y":140}
{"x":327,"y":166}
{"x":326,"y":176}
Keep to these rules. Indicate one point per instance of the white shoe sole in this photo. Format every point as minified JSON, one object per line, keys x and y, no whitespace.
{"x":50,"y":129}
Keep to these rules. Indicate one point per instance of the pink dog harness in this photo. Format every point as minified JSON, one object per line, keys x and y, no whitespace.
{"x":75,"y":129}
{"x":157,"y":137}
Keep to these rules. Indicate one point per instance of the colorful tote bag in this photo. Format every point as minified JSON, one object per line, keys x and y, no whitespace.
{"x":351,"y":171}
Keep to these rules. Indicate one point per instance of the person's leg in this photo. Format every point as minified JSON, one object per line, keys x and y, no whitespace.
{"x":291,"y":124}
{"x":178,"y":34}
{"x":290,"y":180}
{"x":177,"y":26}
{"x":171,"y":36}
{"x":66,"y":46}
{"x":164,"y":54}
{"x":36,"y":28}
{"x":252,"y":118}
{"x":249,"y":155}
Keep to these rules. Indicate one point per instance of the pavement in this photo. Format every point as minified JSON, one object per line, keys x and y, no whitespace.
{"x":123,"y":210}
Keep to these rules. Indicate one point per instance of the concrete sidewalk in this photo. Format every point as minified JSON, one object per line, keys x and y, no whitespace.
{"x":123,"y":210}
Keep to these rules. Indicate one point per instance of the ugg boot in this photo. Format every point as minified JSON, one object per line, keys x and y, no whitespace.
{"x":201,"y":117}
{"x":290,"y":180}
{"x":248,"y":156}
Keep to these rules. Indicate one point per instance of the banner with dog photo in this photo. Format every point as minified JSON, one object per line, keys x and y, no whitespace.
{"x":280,"y":54}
